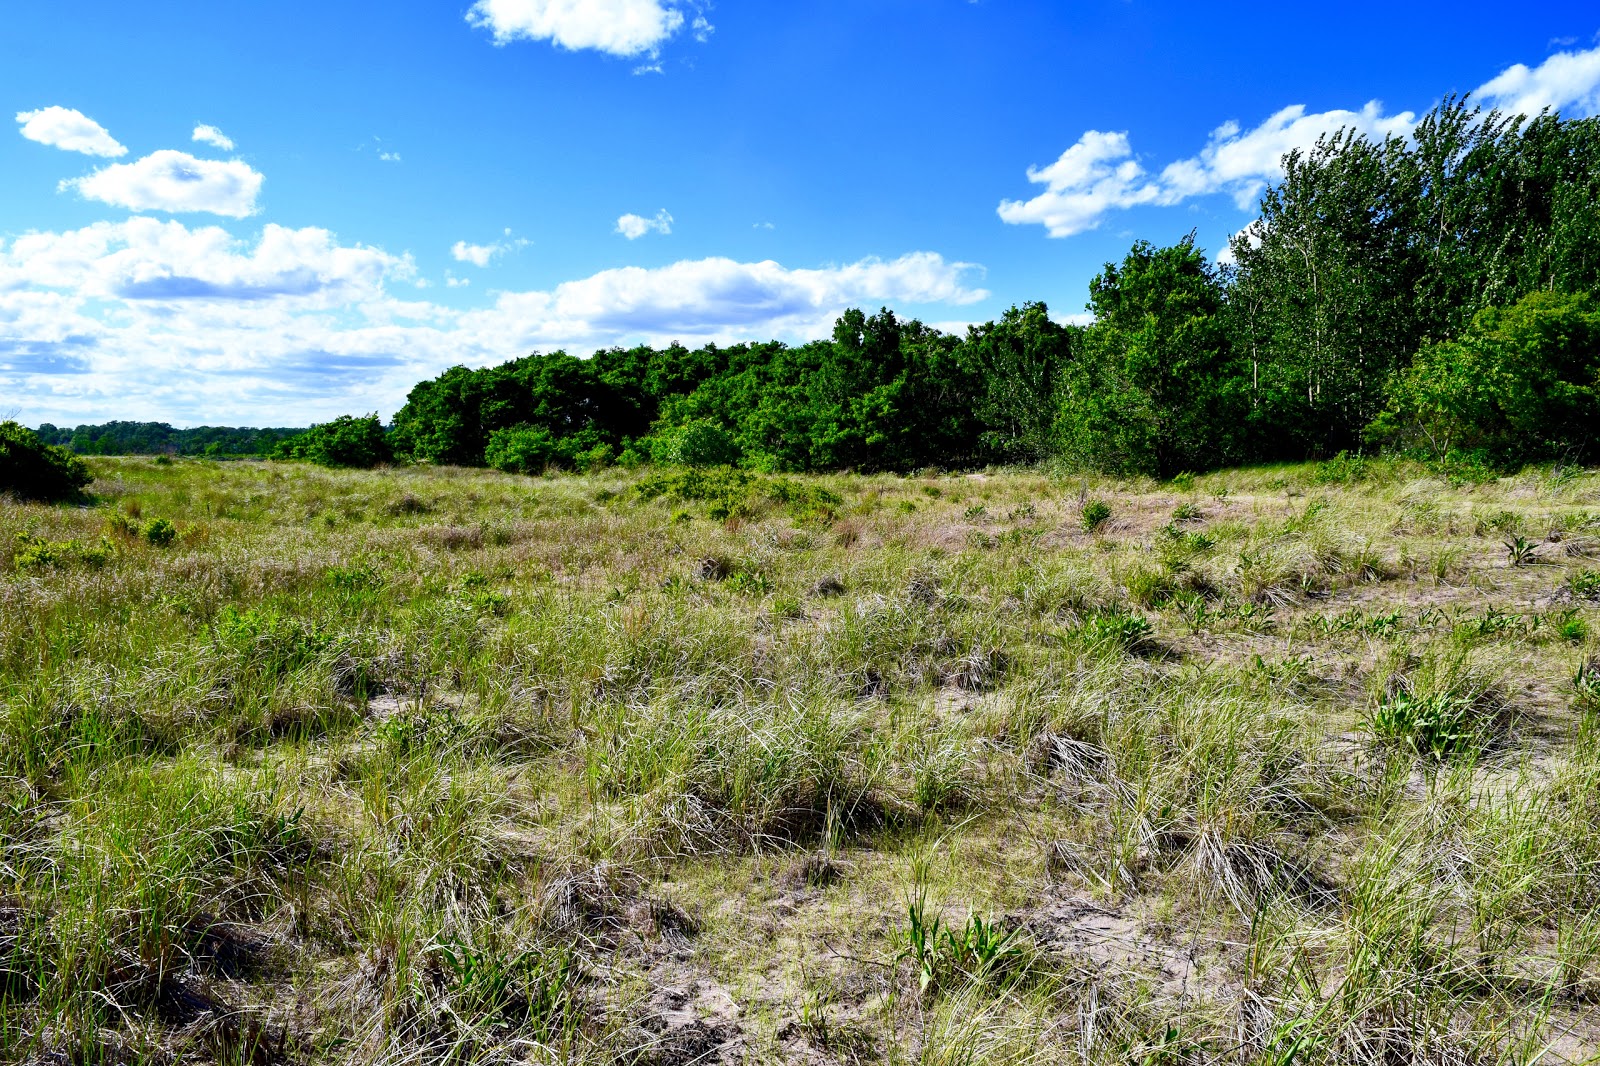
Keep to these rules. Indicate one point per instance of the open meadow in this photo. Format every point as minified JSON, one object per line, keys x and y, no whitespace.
{"x":1294,"y":764}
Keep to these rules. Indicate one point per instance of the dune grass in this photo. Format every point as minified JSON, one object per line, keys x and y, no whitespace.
{"x":1279,"y":765}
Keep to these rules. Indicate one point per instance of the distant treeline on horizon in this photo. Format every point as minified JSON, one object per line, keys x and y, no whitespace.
{"x":1431,"y":295}
{"x":159,"y":438}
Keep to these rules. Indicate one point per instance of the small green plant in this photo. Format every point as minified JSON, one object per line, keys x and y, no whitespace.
{"x":750,"y":582}
{"x":36,"y":553}
{"x":529,"y":988}
{"x":976,"y":511}
{"x":1116,"y":631}
{"x":1585,"y":584}
{"x":1096,"y":513}
{"x":1186,"y":512}
{"x":1570,"y":627}
{"x":1436,"y":725}
{"x":1520,"y":551}
{"x":979,"y":951}
{"x":159,"y":532}
{"x":1586,"y":682}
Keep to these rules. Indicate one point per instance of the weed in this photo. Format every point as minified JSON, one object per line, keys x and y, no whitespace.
{"x":1095,"y":514}
{"x":36,"y":553}
{"x":1520,"y":551}
{"x":978,"y":951}
{"x":159,"y":532}
{"x":1438,"y":725}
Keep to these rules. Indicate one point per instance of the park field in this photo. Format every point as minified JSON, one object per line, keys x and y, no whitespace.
{"x":1293,"y":764}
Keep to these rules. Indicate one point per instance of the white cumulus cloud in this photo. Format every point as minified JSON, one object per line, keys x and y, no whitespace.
{"x":476,"y":254}
{"x":73,"y":131}
{"x":148,"y":318}
{"x":176,"y":182}
{"x":146,"y":259}
{"x":635,"y":226}
{"x":619,"y":27}
{"x":1566,"y":82}
{"x":1100,"y":173}
{"x":204,"y":134}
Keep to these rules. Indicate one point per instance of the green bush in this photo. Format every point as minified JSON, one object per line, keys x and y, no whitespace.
{"x":1096,"y":513}
{"x":346,"y":441}
{"x":1522,"y":384}
{"x":36,"y":553}
{"x":35,"y":470}
{"x":700,"y":442}
{"x":521,"y":449}
{"x":159,"y":532}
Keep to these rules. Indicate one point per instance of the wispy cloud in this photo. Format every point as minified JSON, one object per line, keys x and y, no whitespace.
{"x":204,"y":134}
{"x":635,"y":226}
{"x":1566,"y":82}
{"x":72,"y":131}
{"x":1100,"y":173}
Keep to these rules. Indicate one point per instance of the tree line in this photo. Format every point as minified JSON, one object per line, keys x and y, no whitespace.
{"x":1432,"y":294}
{"x":159,"y":438}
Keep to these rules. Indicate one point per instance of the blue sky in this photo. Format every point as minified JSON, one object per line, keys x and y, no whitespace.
{"x":257,"y":213}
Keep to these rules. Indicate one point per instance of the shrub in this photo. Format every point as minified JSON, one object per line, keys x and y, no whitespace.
{"x":1096,"y":513}
{"x":160,"y":532}
{"x":35,"y":470}
{"x":35,"y":553}
{"x":346,"y":441}
{"x":1340,"y":470}
{"x":1522,"y":384}
{"x":700,"y":442}
{"x":521,"y":449}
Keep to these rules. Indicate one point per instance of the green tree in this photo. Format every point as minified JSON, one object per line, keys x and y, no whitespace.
{"x":1156,"y":389}
{"x":1017,"y":365}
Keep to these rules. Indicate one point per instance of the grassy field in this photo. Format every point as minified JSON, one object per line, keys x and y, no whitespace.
{"x":1288,"y":765}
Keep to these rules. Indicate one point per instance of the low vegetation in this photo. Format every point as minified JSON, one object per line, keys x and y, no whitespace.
{"x":1278,"y":765}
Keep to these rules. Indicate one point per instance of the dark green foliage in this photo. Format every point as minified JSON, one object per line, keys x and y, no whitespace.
{"x":1366,"y":251}
{"x":159,"y":438}
{"x":1017,"y":365}
{"x":35,"y":470}
{"x":1522,"y":384}
{"x":881,"y":395}
{"x":1155,"y":389}
{"x":576,"y":405}
{"x":346,"y":441}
